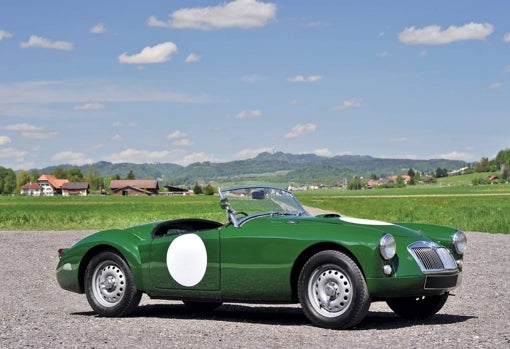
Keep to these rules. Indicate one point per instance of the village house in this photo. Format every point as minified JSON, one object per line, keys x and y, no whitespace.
{"x":134,"y":187}
{"x":51,"y":185}
{"x":31,"y":189}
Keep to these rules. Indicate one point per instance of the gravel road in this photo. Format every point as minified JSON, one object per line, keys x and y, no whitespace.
{"x":36,"y":313}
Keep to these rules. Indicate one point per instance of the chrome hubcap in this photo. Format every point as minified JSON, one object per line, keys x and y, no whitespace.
{"x":108,"y":284}
{"x":329,"y":291}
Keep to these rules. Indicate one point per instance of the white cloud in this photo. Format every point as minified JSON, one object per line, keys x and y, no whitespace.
{"x":151,"y":54}
{"x":495,"y":85}
{"x":138,"y":156}
{"x":507,"y":69}
{"x":38,"y":41}
{"x":382,"y":54}
{"x":434,"y":35}
{"x":192,"y":58}
{"x":322,"y":152}
{"x":32,"y":131}
{"x":250,"y":153}
{"x":90,"y":106}
{"x":248,"y":113}
{"x":4,"y":140}
{"x":183,"y":142}
{"x":5,"y":34}
{"x":152,"y":21}
{"x":349,"y":103}
{"x":118,"y":138}
{"x":301,"y":78}
{"x":98,"y":29}
{"x":301,"y":130}
{"x":506,"y":37}
{"x":176,"y":135}
{"x":455,"y":155}
{"x":23,"y":127}
{"x":72,"y":158}
{"x":17,"y":155}
{"x":179,"y":139}
{"x":177,"y":156}
{"x":244,"y":14}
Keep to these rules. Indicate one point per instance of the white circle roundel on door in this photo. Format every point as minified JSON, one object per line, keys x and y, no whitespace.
{"x":186,"y":259}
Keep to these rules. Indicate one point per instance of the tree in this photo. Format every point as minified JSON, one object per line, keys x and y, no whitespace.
{"x":412,"y":175}
{"x":130,"y":175}
{"x":356,"y":183}
{"x":60,"y":173}
{"x":209,"y":189}
{"x":197,"y":189}
{"x":482,"y":165}
{"x":74,"y":175}
{"x":23,"y":178}
{"x":505,"y":172}
{"x":7,"y":180}
{"x":93,"y":177}
{"x":441,"y":172}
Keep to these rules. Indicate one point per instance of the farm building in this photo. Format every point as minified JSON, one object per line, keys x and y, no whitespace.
{"x":134,"y":187}
{"x":75,"y":188}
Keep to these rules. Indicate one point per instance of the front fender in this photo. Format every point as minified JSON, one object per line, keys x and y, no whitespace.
{"x":71,"y":268}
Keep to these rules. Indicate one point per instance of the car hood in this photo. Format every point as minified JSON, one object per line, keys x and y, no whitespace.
{"x":381,"y":226}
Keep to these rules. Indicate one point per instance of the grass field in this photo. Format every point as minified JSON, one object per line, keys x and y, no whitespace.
{"x":471,"y":208}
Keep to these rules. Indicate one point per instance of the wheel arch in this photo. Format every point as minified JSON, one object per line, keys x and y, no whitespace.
{"x":131,"y":260}
{"x":309,"y":252}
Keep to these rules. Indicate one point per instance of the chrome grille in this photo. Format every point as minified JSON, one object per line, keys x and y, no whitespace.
{"x":431,"y":257}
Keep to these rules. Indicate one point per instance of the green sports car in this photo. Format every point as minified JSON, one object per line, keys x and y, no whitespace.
{"x":269,"y":250}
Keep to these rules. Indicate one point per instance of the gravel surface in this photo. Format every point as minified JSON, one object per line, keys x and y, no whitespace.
{"x":36,"y":313}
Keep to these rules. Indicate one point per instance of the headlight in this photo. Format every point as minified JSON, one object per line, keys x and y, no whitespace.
{"x":387,"y":246}
{"x":459,"y":240}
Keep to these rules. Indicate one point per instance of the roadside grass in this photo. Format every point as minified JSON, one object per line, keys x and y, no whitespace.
{"x":484,"y":208}
{"x":470,"y":208}
{"x":100,"y":212}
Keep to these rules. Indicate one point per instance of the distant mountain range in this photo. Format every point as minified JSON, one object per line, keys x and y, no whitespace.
{"x":269,"y":168}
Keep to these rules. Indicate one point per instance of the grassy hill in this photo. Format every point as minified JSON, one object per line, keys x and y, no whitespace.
{"x":275,"y":168}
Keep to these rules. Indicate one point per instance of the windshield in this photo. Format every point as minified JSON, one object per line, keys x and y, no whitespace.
{"x":253,"y":200}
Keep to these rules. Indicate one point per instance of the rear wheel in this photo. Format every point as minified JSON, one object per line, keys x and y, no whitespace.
{"x":109,"y":285}
{"x":417,"y":307}
{"x":332,"y":290}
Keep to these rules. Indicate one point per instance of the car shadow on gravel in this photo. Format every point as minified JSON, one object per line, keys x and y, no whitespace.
{"x":275,"y":315}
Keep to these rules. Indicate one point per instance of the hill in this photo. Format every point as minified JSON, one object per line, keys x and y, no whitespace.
{"x":270,"y":168}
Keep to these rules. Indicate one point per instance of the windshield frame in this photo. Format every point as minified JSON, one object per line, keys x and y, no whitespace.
{"x":258,"y":201}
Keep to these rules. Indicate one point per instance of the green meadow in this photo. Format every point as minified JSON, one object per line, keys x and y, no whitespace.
{"x":470,"y":208}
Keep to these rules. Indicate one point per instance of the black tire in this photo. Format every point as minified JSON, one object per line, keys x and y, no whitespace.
{"x":109,"y":285}
{"x":417,"y":307}
{"x":198,"y":306}
{"x":332,"y":290}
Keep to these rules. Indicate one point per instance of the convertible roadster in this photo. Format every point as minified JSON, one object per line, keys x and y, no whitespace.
{"x":269,"y":250}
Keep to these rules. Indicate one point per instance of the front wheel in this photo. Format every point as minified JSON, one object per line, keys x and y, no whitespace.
{"x":109,"y":285}
{"x":417,"y":307}
{"x":332,"y":291}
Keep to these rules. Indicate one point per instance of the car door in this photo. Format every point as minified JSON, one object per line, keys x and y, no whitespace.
{"x":257,"y":259}
{"x":185,"y":259}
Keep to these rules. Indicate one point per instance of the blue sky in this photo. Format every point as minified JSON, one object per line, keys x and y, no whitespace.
{"x":188,"y":81}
